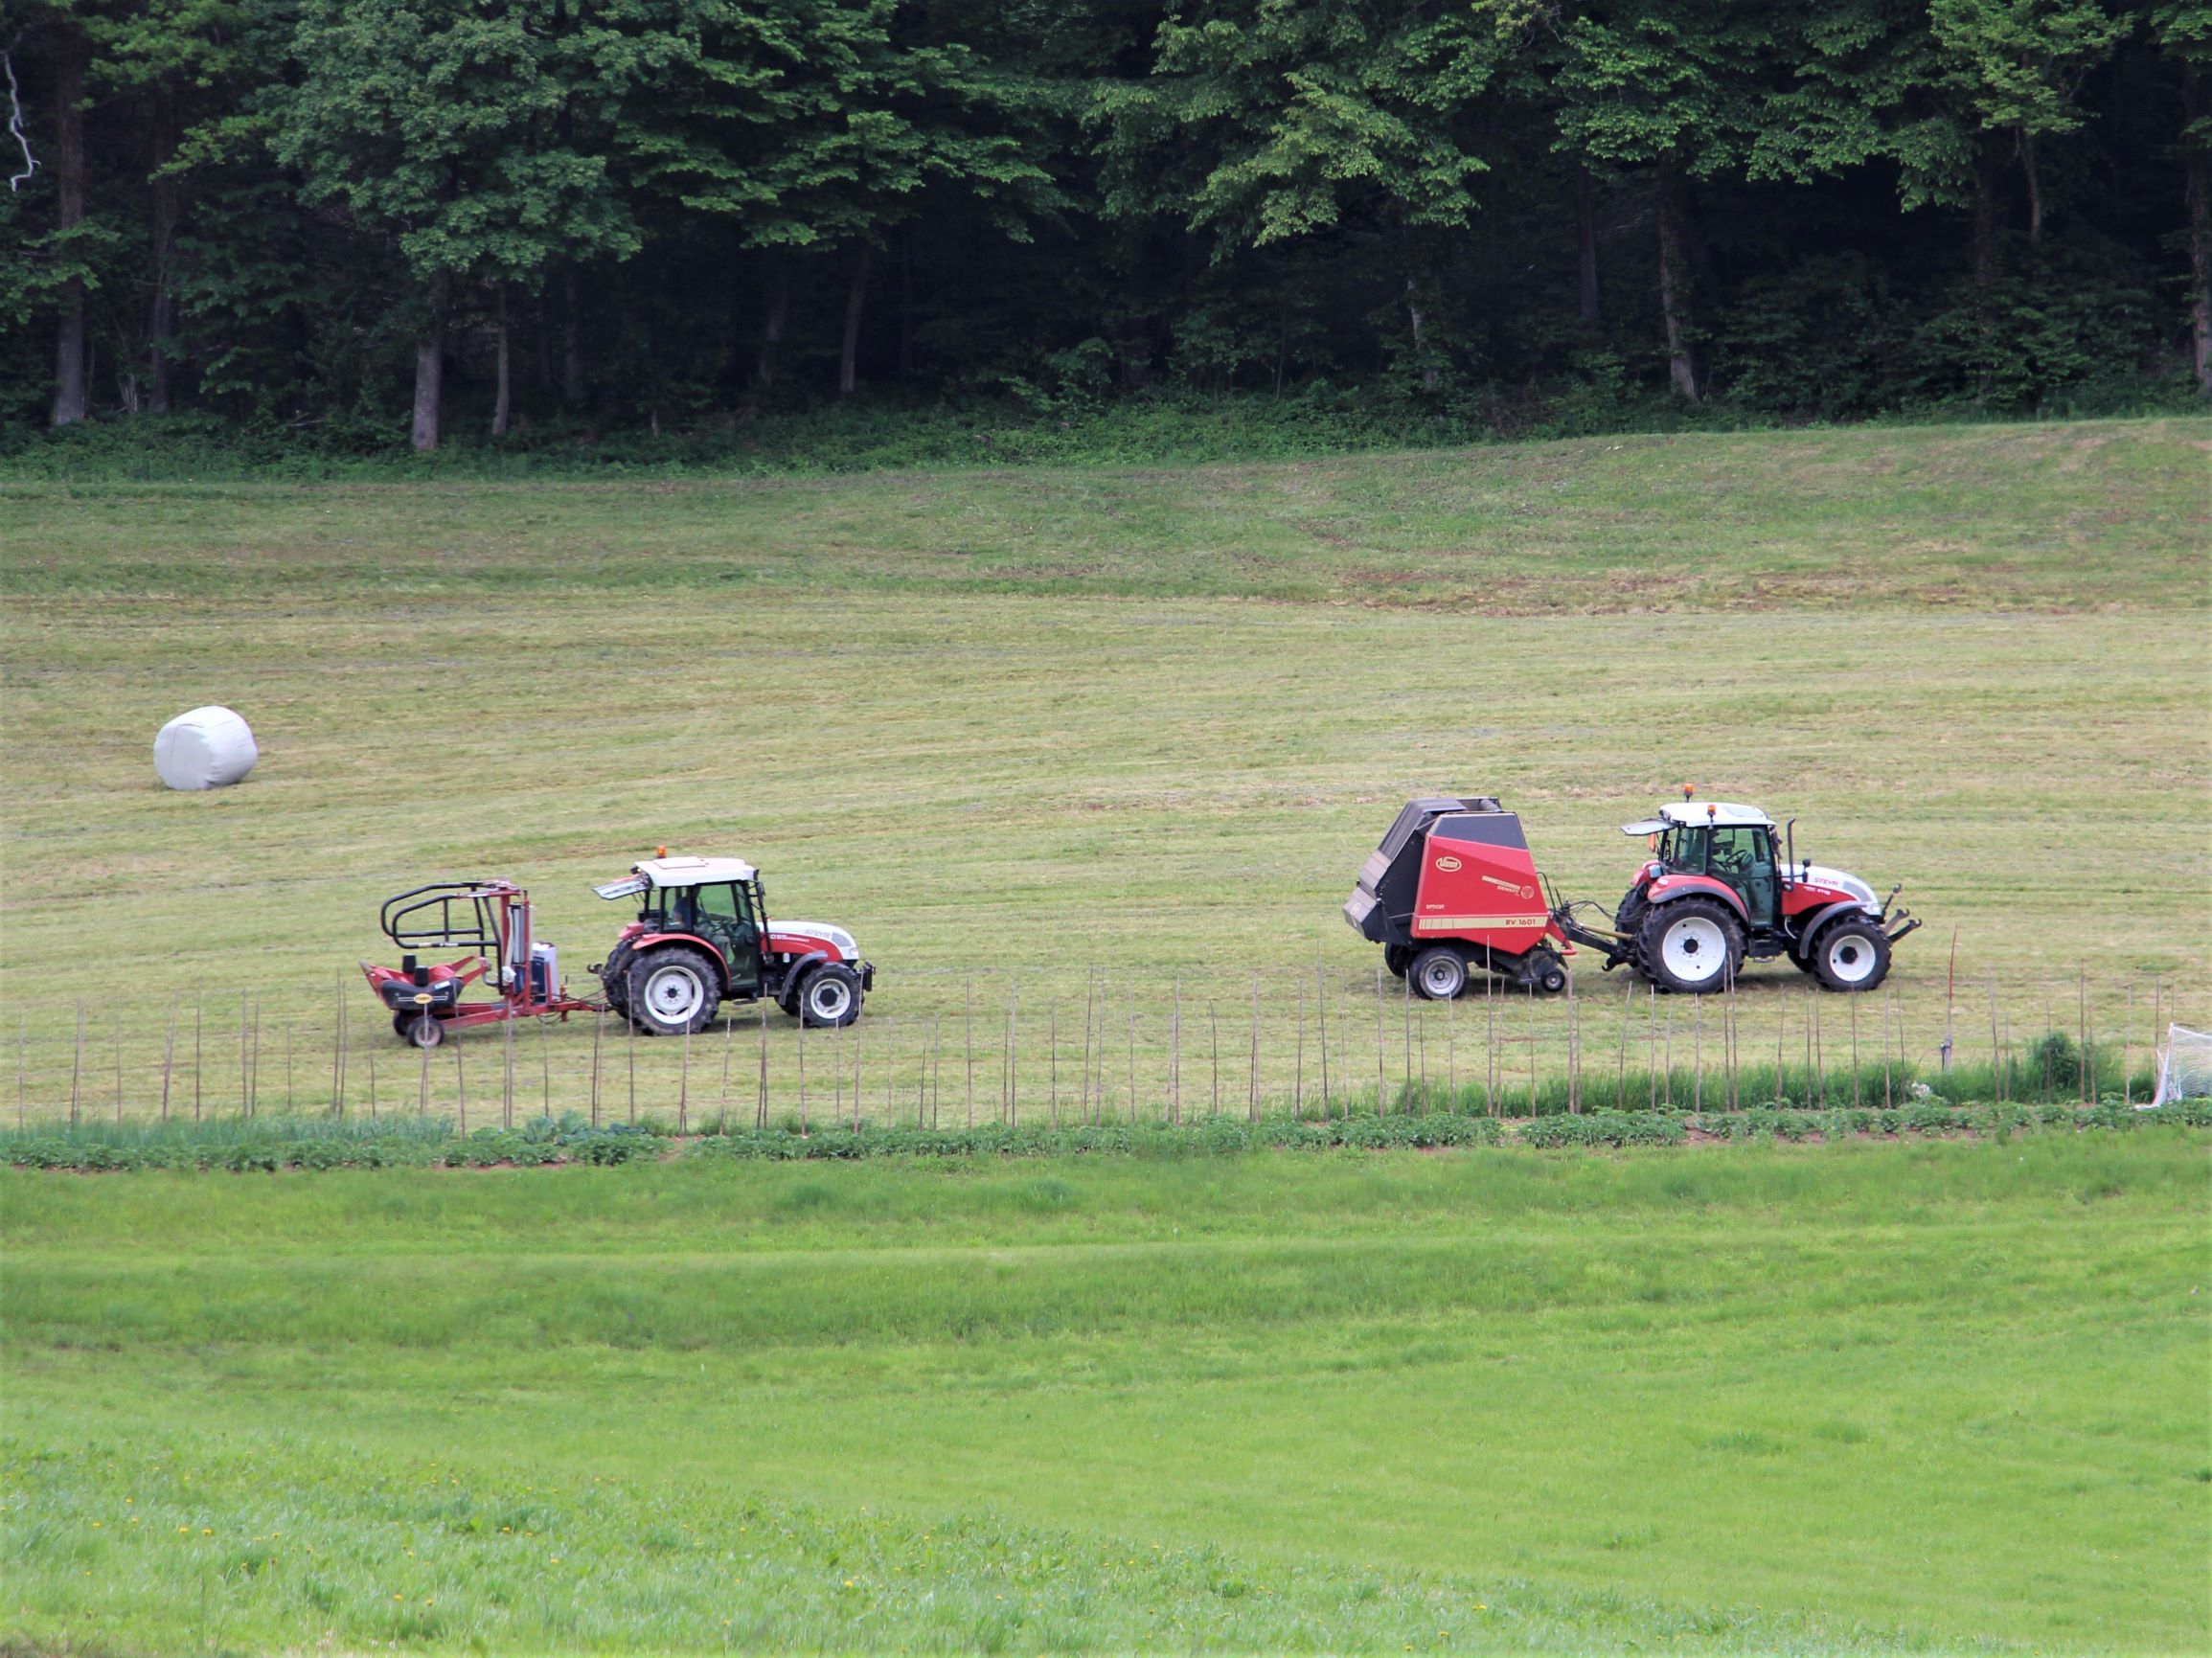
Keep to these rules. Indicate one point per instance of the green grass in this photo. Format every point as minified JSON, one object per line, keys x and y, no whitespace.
{"x":1932,"y":1397}
{"x":1141,"y":724}
{"x":1079,"y":749}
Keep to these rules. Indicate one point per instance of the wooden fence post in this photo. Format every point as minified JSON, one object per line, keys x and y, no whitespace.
{"x":168,"y":1057}
{"x":77,"y":1067}
{"x":338,"y":1039}
{"x":1214,"y":1023}
{"x":1252,"y":1114}
{"x":598,"y":1027}
{"x":1321,"y":1005}
{"x":1381,"y":1073}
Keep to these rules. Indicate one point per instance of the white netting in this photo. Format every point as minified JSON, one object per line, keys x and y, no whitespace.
{"x":2186,"y":1069}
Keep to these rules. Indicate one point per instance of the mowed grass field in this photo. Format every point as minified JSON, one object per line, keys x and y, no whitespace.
{"x":1946,"y":1397}
{"x":1084,"y":736}
{"x":1063,"y":733}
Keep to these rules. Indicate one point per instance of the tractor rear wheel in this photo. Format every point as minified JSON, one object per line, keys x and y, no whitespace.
{"x":1691,"y":945}
{"x":670,"y":991}
{"x":1439,"y":974}
{"x":1850,"y":953}
{"x":830,"y":997}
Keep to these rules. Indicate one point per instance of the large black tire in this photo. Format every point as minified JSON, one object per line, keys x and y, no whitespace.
{"x":616,"y":985}
{"x":1692,"y":946}
{"x":1850,"y":953}
{"x":1438,"y":974}
{"x":672,"y":991}
{"x":829,"y":996}
{"x":1397,"y":958}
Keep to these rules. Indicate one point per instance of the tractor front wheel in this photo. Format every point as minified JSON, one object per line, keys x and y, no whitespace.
{"x":1850,"y":953}
{"x":830,"y":997}
{"x":1439,"y":974}
{"x":1692,"y":946}
{"x":671,"y":992}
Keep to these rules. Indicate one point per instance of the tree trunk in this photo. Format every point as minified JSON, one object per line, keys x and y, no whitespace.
{"x":2035,"y":187}
{"x":1586,"y":227}
{"x":72,"y":371}
{"x":167,"y":215}
{"x":906,"y":305}
{"x":430,"y":368}
{"x":503,"y":400}
{"x":1416,"y":323}
{"x":1674,"y":285}
{"x":775,"y":313}
{"x":1985,"y":265}
{"x":855,"y":298}
{"x":572,"y":386}
{"x":2198,"y":185}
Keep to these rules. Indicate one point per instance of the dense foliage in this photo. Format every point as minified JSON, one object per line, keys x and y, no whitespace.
{"x":352,"y":218}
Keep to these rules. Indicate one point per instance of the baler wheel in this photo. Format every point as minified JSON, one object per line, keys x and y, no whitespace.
{"x":1546,"y":971}
{"x":1397,"y":958}
{"x":1692,"y":946}
{"x":1439,"y":974}
{"x":1850,"y":953}
{"x":423,"y":1031}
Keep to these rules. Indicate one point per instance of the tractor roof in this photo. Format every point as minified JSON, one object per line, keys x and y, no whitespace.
{"x":1696,"y":814}
{"x":694,"y":871}
{"x":676,"y":872}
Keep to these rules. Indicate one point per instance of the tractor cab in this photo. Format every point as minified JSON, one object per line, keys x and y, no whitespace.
{"x":719,"y":901}
{"x":1732,"y":844}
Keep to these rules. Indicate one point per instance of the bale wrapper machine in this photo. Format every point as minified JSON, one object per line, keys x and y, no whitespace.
{"x":489,"y":920}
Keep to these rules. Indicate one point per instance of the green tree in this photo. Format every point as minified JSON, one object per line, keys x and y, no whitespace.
{"x":821,"y":125}
{"x":1672,"y":88}
{"x":1268,"y":120}
{"x":463,"y":130}
{"x":2183,"y":32}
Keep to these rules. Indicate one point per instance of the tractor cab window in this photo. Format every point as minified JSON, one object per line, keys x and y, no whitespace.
{"x":1682,"y":851}
{"x":722,"y":915}
{"x":1744,"y":857}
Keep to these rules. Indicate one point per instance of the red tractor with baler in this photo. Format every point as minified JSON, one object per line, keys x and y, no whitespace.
{"x":1452,"y":889}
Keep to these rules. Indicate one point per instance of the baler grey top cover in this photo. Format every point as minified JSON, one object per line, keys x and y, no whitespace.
{"x":1392,"y":873}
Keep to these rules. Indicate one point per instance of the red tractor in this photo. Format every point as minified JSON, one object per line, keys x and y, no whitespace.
{"x":702,"y":934}
{"x":1719,"y":890}
{"x":1451,"y":891}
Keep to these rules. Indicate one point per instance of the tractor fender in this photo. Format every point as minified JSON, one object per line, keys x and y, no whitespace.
{"x":798,"y":967}
{"x":637,"y":947}
{"x":1816,"y":920}
{"x":1668,"y":887}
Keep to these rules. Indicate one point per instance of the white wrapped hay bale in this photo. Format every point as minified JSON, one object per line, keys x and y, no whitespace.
{"x":207,"y":748}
